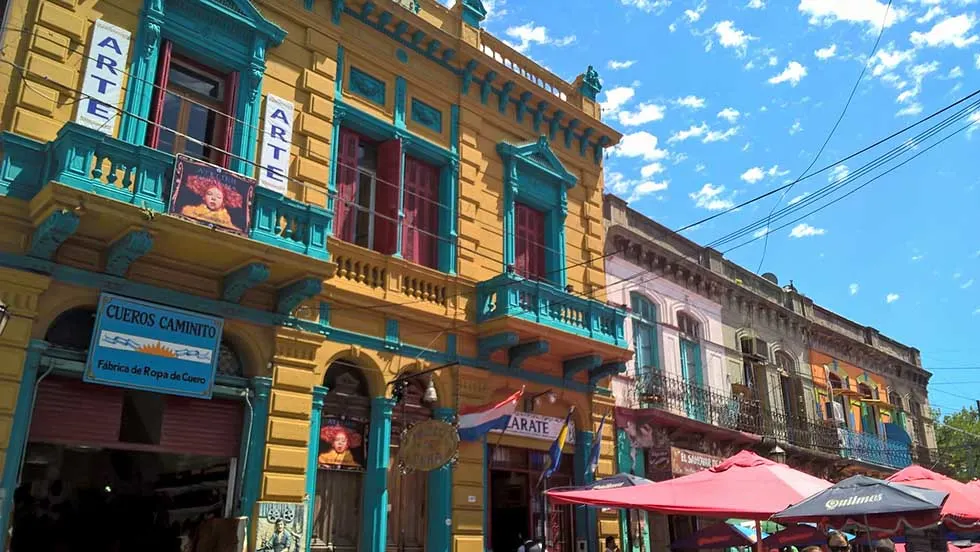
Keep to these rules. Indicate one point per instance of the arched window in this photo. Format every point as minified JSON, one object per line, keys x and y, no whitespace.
{"x":865,"y":391}
{"x":689,"y":326}
{"x":869,"y":413}
{"x":895,"y":398}
{"x":835,"y":381}
{"x":341,"y":457}
{"x":837,"y":384}
{"x":72,"y":329}
{"x":785,"y":362}
{"x":644,"y":334}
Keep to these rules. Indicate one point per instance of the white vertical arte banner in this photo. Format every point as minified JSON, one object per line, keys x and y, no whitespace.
{"x":277,"y":138}
{"x":107,"y":62}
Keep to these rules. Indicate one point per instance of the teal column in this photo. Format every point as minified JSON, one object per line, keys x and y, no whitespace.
{"x":374,"y":513}
{"x":585,"y":517}
{"x":439,"y":502}
{"x":255,"y":444}
{"x":319,"y":394}
{"x":142,"y":74}
{"x":18,"y":432}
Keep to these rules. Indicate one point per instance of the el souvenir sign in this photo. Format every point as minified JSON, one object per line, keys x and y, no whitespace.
{"x":139,"y":345}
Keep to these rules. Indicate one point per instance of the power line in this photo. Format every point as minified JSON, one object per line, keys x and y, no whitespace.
{"x":840,"y":118}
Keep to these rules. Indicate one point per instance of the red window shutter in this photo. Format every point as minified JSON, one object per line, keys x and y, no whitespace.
{"x":386,"y":196}
{"x":528,"y":242}
{"x":206,"y":427}
{"x":345,"y":219}
{"x":228,"y":130}
{"x":421,"y":224}
{"x":72,"y":412}
{"x":163,"y":75}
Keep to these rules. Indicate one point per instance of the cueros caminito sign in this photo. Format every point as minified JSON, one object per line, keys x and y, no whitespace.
{"x":141,"y":345}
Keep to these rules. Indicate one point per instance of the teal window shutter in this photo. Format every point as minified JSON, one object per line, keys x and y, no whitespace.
{"x":644,"y":333}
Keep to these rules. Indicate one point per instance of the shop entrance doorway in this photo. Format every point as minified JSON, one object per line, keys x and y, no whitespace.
{"x":518,"y":510}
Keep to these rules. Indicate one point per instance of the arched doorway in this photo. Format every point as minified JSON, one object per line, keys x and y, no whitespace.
{"x":158,"y":465}
{"x":340,"y":463}
{"x":407,"y":492}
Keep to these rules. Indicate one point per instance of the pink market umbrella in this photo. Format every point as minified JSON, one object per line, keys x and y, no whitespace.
{"x":962,"y":507}
{"x":745,"y":486}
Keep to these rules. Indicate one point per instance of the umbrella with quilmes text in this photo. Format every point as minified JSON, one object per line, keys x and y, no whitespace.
{"x":805,"y":534}
{"x":961,"y":510}
{"x":874,"y":503}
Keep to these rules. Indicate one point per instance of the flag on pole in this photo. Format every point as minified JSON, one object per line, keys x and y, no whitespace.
{"x":477,"y":421}
{"x":596,"y":446}
{"x":554,"y":453}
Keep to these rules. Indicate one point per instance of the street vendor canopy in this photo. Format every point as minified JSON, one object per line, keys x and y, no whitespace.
{"x":961,"y":509}
{"x":745,"y":485}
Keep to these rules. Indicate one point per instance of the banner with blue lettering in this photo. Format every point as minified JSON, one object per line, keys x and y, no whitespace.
{"x":140,"y":345}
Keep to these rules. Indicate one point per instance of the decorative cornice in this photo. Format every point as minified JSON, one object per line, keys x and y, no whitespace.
{"x":126,"y":250}
{"x":245,"y":278}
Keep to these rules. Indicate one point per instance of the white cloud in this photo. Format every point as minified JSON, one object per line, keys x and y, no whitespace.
{"x":649,"y":170}
{"x":976,"y":311}
{"x":730,"y":36}
{"x":910,"y":111}
{"x":709,"y":197}
{"x":974,"y":119}
{"x":640,"y":144}
{"x":529,"y":34}
{"x":695,"y":131}
{"x":616,"y":65}
{"x":793,"y":73}
{"x":892,"y":297}
{"x":838,"y":173}
{"x":760,"y":232}
{"x":796,"y":128}
{"x":699,"y":167}
{"x":869,"y":12}
{"x":804,"y":230}
{"x":632,"y":190}
{"x":798,"y":198}
{"x":955,"y":73}
{"x":854,"y":288}
{"x":888,"y":58}
{"x":729,"y":114}
{"x":694,"y":15}
{"x":773,"y":61}
{"x":647,"y":187}
{"x":720,"y":136}
{"x":956,"y":275}
{"x":827,"y":52}
{"x":756,"y":4}
{"x":917,"y":258}
{"x":650,"y":6}
{"x":976,"y":61}
{"x":643,"y":114}
{"x":672,"y":27}
{"x":967,"y":284}
{"x":692,"y":102}
{"x":755,"y":174}
{"x":934,"y":12}
{"x":951,"y":31}
{"x":616,"y":98}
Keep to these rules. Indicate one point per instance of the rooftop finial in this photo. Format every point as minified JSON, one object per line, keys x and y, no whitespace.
{"x":473,"y":12}
{"x":590,"y":86}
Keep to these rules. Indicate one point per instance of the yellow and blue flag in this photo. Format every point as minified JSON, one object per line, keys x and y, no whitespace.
{"x":554,"y":453}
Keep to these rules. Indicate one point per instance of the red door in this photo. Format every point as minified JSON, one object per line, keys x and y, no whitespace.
{"x":528,"y":242}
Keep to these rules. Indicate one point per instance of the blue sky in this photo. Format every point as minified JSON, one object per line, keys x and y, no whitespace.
{"x":722,"y":100}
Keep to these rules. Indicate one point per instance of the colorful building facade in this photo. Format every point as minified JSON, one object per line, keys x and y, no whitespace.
{"x":346,"y":218}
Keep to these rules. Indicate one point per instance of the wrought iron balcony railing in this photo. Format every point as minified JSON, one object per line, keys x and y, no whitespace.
{"x":683,"y":398}
{"x":543,"y":303}
{"x":872,"y":449}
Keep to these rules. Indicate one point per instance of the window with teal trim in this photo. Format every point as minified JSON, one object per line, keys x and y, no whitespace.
{"x":644,"y":334}
{"x":536,"y":185}
{"x":690,"y":343}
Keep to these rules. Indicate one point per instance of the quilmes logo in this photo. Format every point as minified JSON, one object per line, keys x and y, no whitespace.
{"x":834,"y":503}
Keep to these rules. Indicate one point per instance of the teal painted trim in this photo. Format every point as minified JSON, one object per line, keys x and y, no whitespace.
{"x":18,"y":430}
{"x":126,"y":250}
{"x":22,"y":168}
{"x":401,"y":101}
{"x":439,"y":500}
{"x":235,"y":284}
{"x":308,"y":4}
{"x":312,"y":453}
{"x":448,"y":218}
{"x":454,"y":128}
{"x":584,"y":522}
{"x":291,"y":225}
{"x":452,"y":348}
{"x":335,"y":140}
{"x":252,"y":473}
{"x":336,"y":9}
{"x":473,"y":12}
{"x":367,"y":86}
{"x":142,"y":74}
{"x":51,"y":233}
{"x":392,"y":338}
{"x":376,"y":129}
{"x":401,"y":55}
{"x":339,"y":85}
{"x":400,"y":226}
{"x":374,"y":512}
{"x":324,"y":318}
{"x":427,"y":116}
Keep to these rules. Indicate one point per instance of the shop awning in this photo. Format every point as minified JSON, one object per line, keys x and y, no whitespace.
{"x":745,"y":485}
{"x":961,"y":510}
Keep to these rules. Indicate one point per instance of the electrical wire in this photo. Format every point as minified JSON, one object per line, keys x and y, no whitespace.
{"x":833,"y":130}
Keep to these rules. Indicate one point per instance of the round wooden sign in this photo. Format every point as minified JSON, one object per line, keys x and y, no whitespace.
{"x":428,"y":445}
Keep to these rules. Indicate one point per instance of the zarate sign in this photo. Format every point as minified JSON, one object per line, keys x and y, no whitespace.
{"x":527,"y":424}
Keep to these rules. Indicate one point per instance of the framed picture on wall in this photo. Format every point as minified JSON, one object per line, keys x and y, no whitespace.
{"x":211,"y":195}
{"x":343,"y":443}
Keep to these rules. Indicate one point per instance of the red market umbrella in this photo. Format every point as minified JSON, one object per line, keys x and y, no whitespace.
{"x":962,"y":507}
{"x":745,"y":486}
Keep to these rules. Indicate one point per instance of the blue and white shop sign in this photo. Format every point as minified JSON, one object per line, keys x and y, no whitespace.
{"x":140,"y":345}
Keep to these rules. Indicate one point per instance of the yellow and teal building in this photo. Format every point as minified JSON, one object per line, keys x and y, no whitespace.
{"x":279,"y":208}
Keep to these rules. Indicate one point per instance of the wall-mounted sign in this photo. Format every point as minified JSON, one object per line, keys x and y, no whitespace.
{"x":277,"y":139}
{"x":212,"y":195}
{"x":686,"y":462}
{"x":107,"y":61}
{"x":141,"y":345}
{"x":528,"y":424}
{"x":280,"y":527}
{"x":342,"y":443}
{"x":428,"y":445}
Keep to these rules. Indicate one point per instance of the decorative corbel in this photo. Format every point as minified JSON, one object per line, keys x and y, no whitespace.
{"x":570,"y":132}
{"x":448,"y":55}
{"x":432,"y":47}
{"x":517,"y":354}
{"x":126,"y":250}
{"x":575,"y":365}
{"x":400,"y":28}
{"x":522,"y":105}
{"x":245,"y":278}
{"x":486,"y":87}
{"x":417,"y":37}
{"x":52,"y":232}
{"x":336,"y":11}
{"x":606,"y":370}
{"x":385,"y":18}
{"x":467,"y":79}
{"x":599,"y":147}
{"x":367,"y":9}
{"x":486,"y":346}
{"x":554,"y":124}
{"x":539,"y":115}
{"x":292,"y":295}
{"x":504,"y":96}
{"x":584,"y":140}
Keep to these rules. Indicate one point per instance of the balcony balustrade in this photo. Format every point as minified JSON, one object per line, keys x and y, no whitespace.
{"x":90,"y":161}
{"x":510,"y":295}
{"x":872,"y":449}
